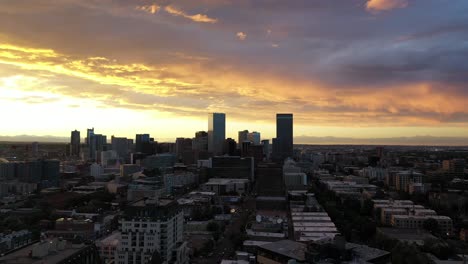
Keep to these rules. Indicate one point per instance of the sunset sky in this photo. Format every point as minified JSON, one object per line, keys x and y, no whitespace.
{"x":345,"y":68}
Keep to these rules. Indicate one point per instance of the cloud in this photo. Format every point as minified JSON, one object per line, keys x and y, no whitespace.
{"x":241,"y":35}
{"x":197,"y":18}
{"x":385,"y":5}
{"x":152,"y":9}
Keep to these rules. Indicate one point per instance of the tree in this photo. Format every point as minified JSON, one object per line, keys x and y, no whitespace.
{"x":367,"y":207}
{"x":212,"y":227}
{"x":431,"y":225}
{"x":438,"y":248}
{"x":404,"y":253}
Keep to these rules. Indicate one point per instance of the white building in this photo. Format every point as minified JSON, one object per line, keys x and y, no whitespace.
{"x":417,"y":222}
{"x":96,"y":170}
{"x":151,"y":227}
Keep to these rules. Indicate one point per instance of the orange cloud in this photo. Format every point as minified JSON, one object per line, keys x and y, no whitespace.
{"x":241,"y":35}
{"x":175,"y":89}
{"x":197,"y":18}
{"x":152,"y":9}
{"x":385,"y":5}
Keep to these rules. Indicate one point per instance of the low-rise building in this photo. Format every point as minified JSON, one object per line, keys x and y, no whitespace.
{"x":54,"y":251}
{"x":222,"y":186}
{"x":417,"y":222}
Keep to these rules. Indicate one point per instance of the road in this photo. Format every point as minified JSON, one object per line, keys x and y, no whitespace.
{"x":225,"y":248}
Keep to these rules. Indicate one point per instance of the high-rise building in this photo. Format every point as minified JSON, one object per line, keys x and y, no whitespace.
{"x":200,"y":142}
{"x":140,"y":141}
{"x":50,"y":173}
{"x":216,"y":132}
{"x":75,"y":143}
{"x":229,"y":147}
{"x":122,"y":147}
{"x":254,"y":137}
{"x":243,"y":136}
{"x":150,"y":229}
{"x":283,"y":144}
{"x":89,"y":133}
{"x":97,"y":143}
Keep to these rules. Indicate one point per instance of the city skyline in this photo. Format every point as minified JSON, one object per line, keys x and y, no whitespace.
{"x":171,"y":62}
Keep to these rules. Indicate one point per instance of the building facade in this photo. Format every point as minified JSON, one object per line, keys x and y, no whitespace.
{"x":216,"y":132}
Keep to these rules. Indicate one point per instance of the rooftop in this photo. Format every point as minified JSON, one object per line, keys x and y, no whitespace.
{"x":288,"y":248}
{"x":22,"y":256}
{"x":366,"y":253}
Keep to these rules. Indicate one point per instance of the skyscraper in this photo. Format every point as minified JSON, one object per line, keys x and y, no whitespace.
{"x":283,"y":144}
{"x":122,"y":147}
{"x":140,"y":140}
{"x":242,"y":138}
{"x":89,"y":133}
{"x":254,"y":137}
{"x":75,"y":143}
{"x":216,"y":132}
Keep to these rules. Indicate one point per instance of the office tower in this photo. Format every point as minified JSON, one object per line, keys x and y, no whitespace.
{"x":140,"y":141}
{"x":254,"y":137}
{"x":29,"y":171}
{"x":75,"y":143}
{"x":97,"y":143}
{"x":243,"y":136}
{"x":121,"y":146}
{"x":183,"y":145}
{"x":232,"y":167}
{"x":216,"y":132}
{"x":50,"y":173}
{"x":200,"y":142}
{"x":152,"y":228}
{"x":270,"y":180}
{"x":229,"y":147}
{"x":89,"y":133}
{"x":283,"y":143}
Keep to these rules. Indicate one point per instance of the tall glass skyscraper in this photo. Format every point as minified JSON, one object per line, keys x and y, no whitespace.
{"x":283,"y":144}
{"x":75,"y":143}
{"x":216,"y":132}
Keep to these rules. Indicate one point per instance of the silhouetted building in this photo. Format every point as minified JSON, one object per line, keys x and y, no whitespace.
{"x":97,"y":143}
{"x":216,"y":132}
{"x":121,"y":146}
{"x":50,"y":173}
{"x":243,"y":137}
{"x":232,"y":167}
{"x":283,"y":143}
{"x":75,"y":143}
{"x":230,"y":147}
{"x":270,"y":180}
{"x":254,"y":137}
{"x":140,"y":140}
{"x":89,"y":133}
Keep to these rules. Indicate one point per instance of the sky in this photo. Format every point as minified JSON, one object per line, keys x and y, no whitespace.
{"x":346,"y":68}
